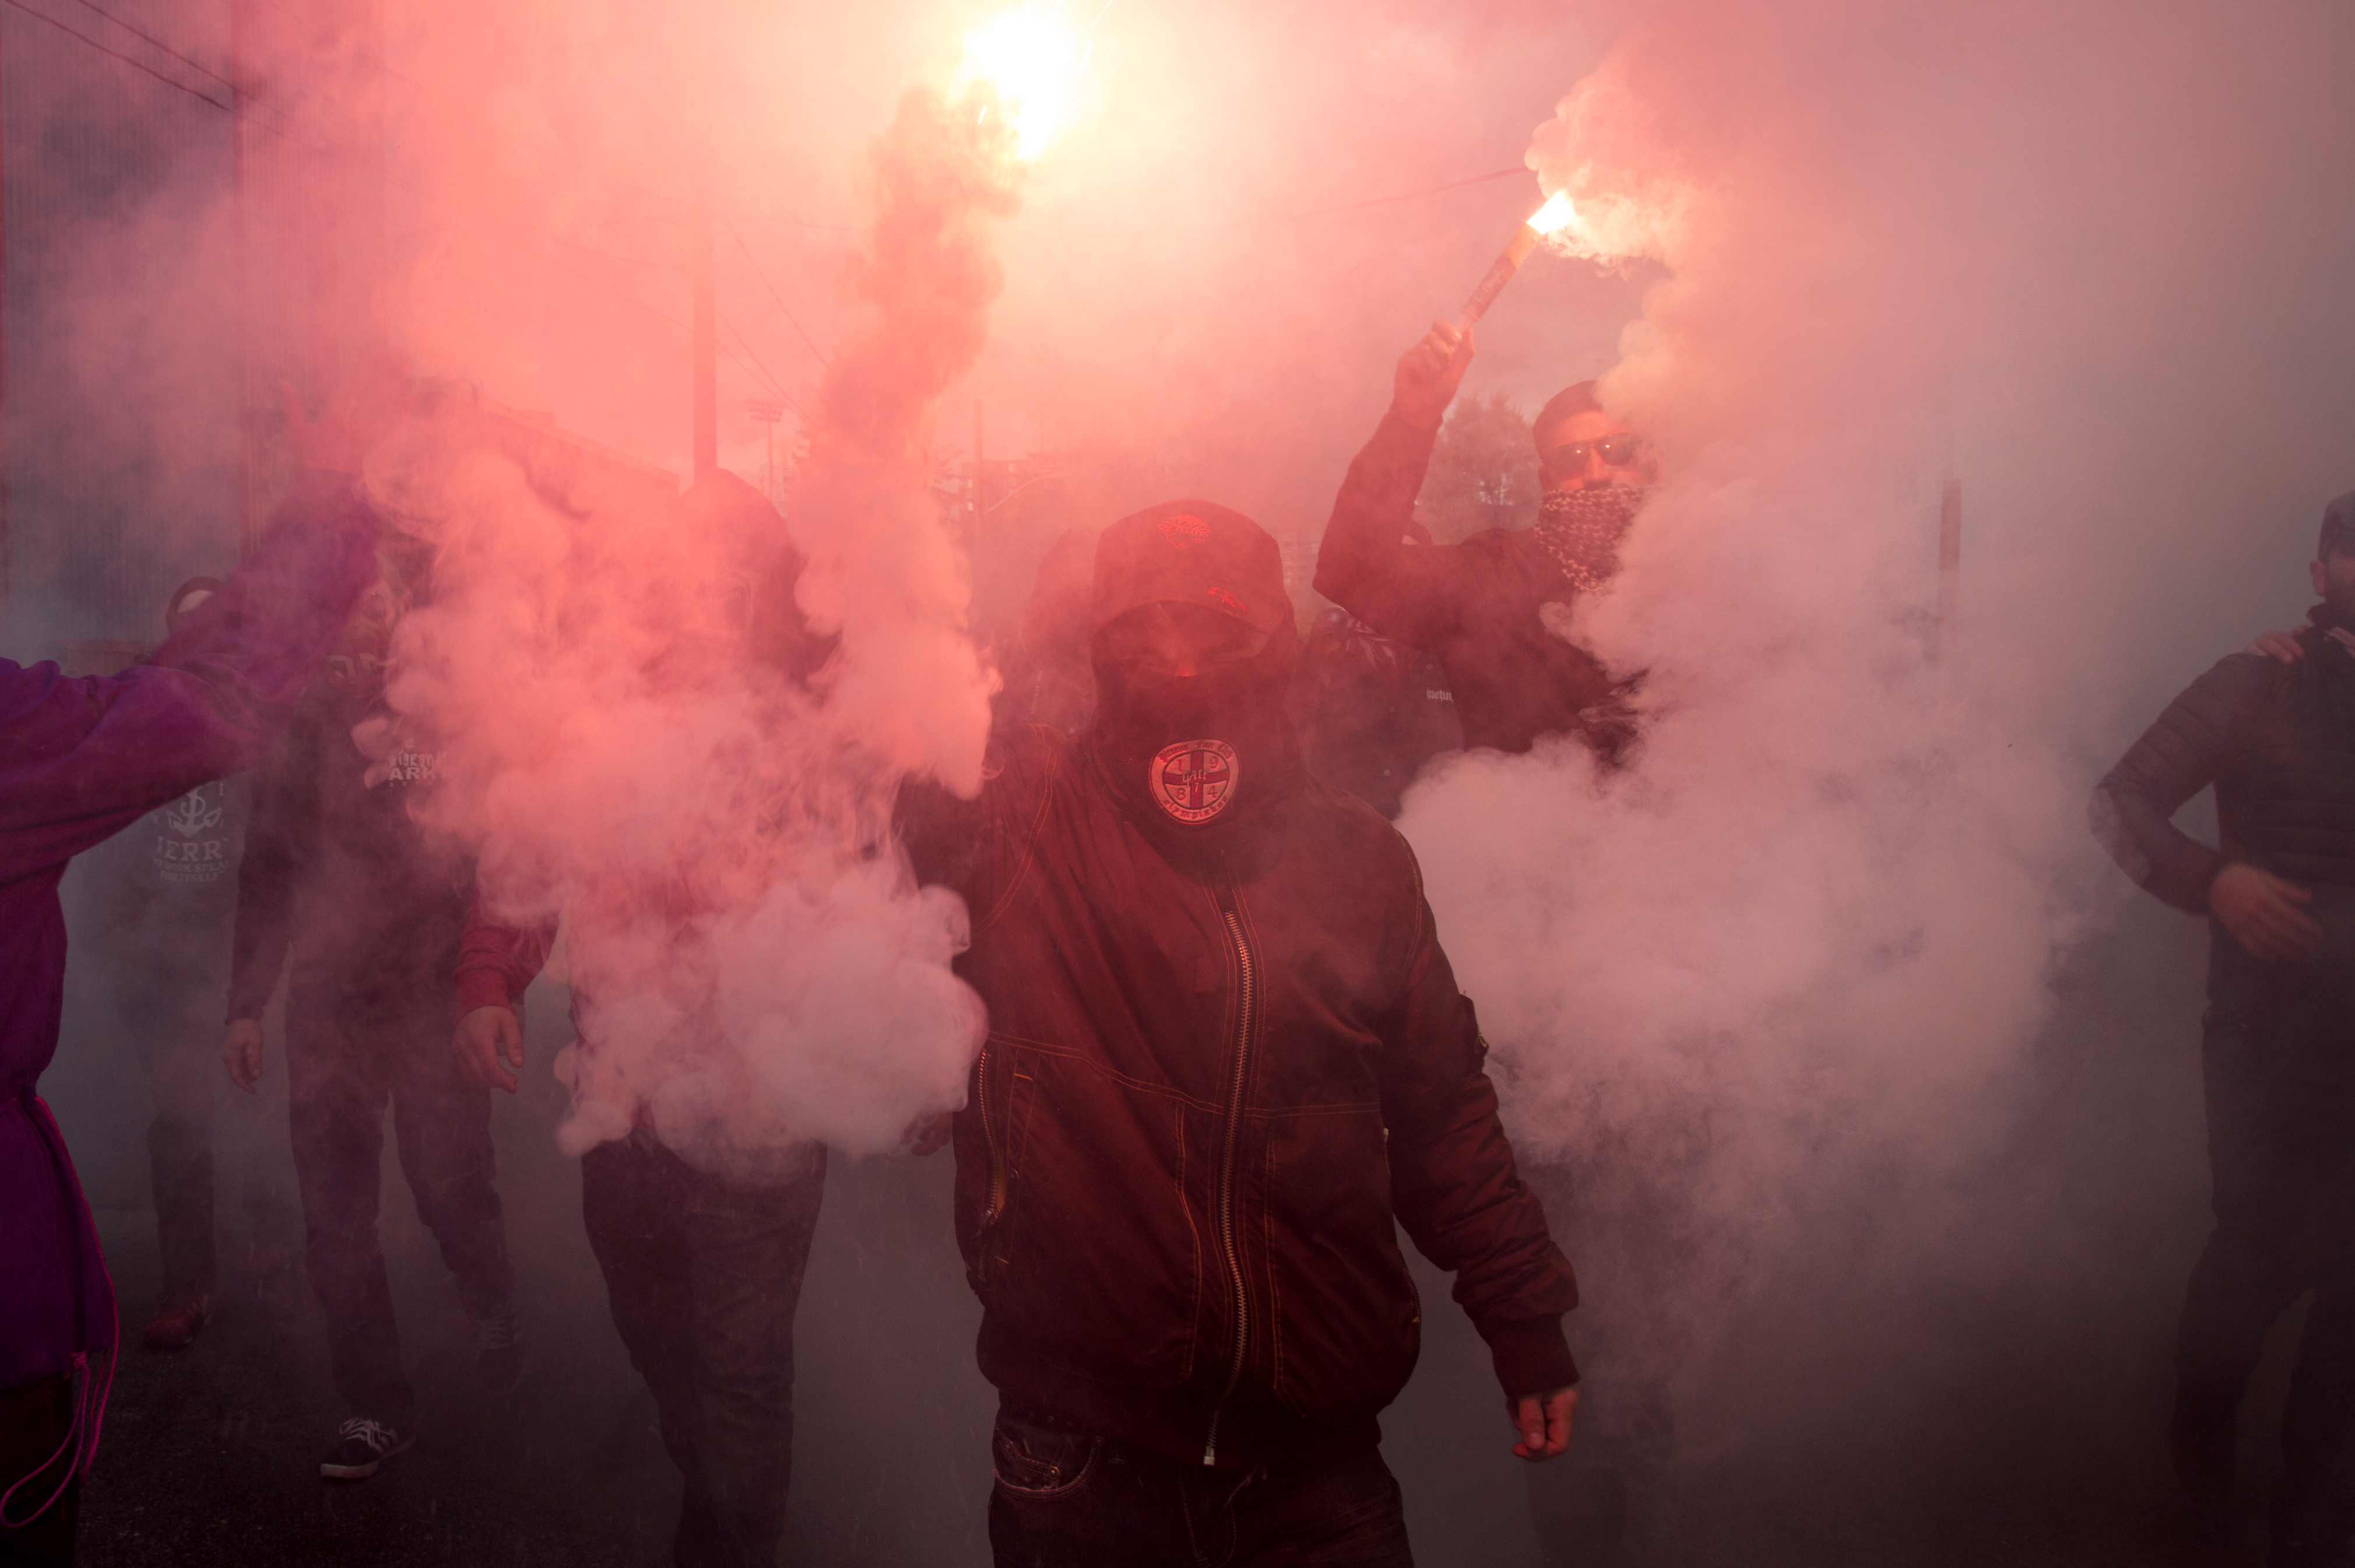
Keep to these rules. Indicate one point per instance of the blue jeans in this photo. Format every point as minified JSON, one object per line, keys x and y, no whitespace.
{"x":1069,"y":1499}
{"x":704,"y":1276}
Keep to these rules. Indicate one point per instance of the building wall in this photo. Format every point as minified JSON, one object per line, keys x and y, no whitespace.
{"x":121,"y":371}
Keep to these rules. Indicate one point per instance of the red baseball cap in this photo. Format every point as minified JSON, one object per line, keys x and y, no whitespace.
{"x":1189,"y":552}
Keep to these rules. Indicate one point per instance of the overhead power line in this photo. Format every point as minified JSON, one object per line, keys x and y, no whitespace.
{"x":153,"y":42}
{"x":1409,"y":196}
{"x":775,"y":385}
{"x":823,"y":357}
{"x":134,"y":63}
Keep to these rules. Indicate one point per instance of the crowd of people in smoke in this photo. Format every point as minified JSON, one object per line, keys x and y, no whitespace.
{"x":1226,"y":1060}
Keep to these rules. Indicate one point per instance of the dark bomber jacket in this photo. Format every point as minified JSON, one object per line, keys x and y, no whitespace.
{"x":2277,"y":741}
{"x":1209,"y":1097}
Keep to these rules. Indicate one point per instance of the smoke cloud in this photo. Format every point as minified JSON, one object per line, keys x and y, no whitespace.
{"x":751,"y":960}
{"x":1777,"y":992}
{"x":1807,"y":937}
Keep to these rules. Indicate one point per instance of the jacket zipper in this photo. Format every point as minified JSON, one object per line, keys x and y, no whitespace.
{"x":995,"y":1203}
{"x":1246,"y":1010}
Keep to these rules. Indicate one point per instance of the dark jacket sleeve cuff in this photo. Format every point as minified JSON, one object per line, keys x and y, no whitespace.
{"x":482,"y":989}
{"x":1531,"y":1358}
{"x":2201,"y":875}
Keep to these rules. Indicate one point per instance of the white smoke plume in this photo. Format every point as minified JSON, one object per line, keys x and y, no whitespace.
{"x":1808,"y":934}
{"x":751,"y":960}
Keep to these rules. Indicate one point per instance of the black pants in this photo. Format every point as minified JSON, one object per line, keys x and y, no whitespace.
{"x":2279,"y":1061}
{"x":174,"y":1020}
{"x":1068,"y":1499}
{"x":36,"y":1421}
{"x":704,"y":1277}
{"x":349,"y":1051}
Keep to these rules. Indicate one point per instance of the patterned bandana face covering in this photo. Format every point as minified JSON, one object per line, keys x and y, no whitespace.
{"x":1581,"y":531}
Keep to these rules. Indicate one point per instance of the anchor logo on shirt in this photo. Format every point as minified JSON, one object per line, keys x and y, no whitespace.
{"x":1193,"y":780}
{"x":187,"y":816}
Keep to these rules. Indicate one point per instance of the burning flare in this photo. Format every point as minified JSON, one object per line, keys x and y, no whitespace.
{"x":1554,"y":215}
{"x":1034,"y":60}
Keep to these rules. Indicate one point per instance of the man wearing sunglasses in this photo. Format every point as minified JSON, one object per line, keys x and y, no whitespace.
{"x":1485,"y":607}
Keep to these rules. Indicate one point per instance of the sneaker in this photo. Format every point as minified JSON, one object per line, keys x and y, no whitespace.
{"x":499,"y":1352}
{"x":362,"y":1445}
{"x":176,"y":1321}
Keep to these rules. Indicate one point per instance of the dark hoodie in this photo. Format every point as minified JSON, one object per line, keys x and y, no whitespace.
{"x":338,"y":878}
{"x":1227,"y":1058}
{"x":2277,"y":741}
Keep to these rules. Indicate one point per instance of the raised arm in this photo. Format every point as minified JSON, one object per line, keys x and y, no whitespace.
{"x":1462,"y":1201}
{"x":1411,"y":592}
{"x":79,"y":759}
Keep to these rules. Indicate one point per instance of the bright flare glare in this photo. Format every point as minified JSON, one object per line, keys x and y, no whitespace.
{"x":1556,"y":213}
{"x":1034,"y":58}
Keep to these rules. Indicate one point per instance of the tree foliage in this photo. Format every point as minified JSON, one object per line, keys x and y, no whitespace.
{"x":1483,"y":471}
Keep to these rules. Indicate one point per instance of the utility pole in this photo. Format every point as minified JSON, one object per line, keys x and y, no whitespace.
{"x":707,"y":365}
{"x":766,"y":412}
{"x":980,"y":501}
{"x":248,"y":520}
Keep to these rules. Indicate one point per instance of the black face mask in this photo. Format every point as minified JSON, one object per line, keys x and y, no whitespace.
{"x":1200,"y":758}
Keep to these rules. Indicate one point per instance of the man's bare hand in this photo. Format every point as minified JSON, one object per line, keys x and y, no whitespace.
{"x":1429,"y":373}
{"x":1543,"y":1422}
{"x":2286,"y":649}
{"x":2266,"y":914}
{"x":241,"y":1053}
{"x":489,"y":1045}
{"x":2280,"y":646}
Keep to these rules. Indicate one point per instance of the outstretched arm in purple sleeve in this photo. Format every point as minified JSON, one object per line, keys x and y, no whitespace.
{"x":79,"y":759}
{"x":84,"y":757}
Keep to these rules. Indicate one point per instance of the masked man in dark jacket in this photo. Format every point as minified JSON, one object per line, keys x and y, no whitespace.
{"x":345,"y":895}
{"x":2277,"y":741}
{"x":1226,"y":1059}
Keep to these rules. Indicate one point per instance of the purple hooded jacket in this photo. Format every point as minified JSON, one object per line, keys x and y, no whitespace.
{"x":81,"y":760}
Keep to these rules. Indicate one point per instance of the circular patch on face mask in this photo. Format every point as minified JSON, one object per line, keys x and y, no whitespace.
{"x":1193,"y":780}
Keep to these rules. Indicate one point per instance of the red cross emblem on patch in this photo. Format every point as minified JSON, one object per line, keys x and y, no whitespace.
{"x":1193,"y":780}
